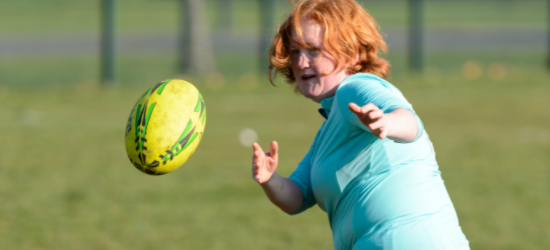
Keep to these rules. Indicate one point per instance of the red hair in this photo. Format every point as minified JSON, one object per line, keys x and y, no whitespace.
{"x":351,"y":34}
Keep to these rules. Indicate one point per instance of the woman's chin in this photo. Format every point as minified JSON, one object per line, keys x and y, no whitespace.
{"x":314,"y":98}
{"x":309,"y":95}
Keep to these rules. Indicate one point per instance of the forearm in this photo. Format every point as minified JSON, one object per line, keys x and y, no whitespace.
{"x":403,"y":125}
{"x":283,"y":192}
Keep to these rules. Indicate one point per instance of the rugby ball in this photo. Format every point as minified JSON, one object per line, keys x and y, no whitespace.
{"x":165,"y":127}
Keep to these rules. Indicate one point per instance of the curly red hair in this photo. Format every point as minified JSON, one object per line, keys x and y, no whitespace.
{"x":351,"y":34}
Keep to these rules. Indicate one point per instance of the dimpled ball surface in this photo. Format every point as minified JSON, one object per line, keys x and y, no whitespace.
{"x":165,"y":127}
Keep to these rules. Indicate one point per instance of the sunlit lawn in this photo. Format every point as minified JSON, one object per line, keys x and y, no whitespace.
{"x":66,"y":183}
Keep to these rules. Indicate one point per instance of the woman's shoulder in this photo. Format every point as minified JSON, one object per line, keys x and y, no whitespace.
{"x":363,"y":88}
{"x":361,"y":82}
{"x":359,"y":85}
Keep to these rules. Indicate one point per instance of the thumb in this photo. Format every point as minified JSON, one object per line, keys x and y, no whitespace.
{"x":354,"y":108}
{"x":274,"y":150}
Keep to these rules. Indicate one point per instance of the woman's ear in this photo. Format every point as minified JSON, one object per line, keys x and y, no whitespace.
{"x":352,"y":68}
{"x":355,"y":61}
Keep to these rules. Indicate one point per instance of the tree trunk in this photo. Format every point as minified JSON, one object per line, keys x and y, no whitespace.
{"x":195,"y":46}
{"x":108,"y":53}
{"x":225,"y":15}
{"x":267,"y":28}
{"x":416,"y":35}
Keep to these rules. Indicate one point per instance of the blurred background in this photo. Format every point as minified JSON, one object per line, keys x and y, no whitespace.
{"x":476,"y":72}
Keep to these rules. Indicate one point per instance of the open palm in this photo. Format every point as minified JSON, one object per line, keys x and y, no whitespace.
{"x":264,"y":163}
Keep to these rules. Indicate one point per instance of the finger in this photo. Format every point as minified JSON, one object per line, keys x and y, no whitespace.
{"x":257,"y":168}
{"x":258,"y":155}
{"x":383,"y":134}
{"x":375,"y":114}
{"x":256,"y":147}
{"x":376,"y":125}
{"x":274,"y":150}
{"x":368,"y":108}
{"x":256,"y":177}
{"x":257,"y":151}
{"x":354,"y":108}
{"x":380,"y":132}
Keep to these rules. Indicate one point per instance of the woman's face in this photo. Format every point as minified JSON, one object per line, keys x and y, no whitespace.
{"x":309,"y":68}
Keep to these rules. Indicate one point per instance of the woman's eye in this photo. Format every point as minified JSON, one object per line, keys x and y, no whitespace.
{"x":314,"y":52}
{"x":294,"y":51}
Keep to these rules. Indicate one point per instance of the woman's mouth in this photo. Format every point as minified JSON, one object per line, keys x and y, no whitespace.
{"x":307,"y":77}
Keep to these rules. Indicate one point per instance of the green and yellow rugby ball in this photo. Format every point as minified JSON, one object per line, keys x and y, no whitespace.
{"x":165,"y":127}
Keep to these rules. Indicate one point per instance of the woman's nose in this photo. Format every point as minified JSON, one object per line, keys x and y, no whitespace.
{"x":303,"y":61}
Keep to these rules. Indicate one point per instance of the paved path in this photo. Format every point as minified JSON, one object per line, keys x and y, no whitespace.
{"x":165,"y":43}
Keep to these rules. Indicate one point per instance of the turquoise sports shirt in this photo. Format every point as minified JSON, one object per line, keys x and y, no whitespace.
{"x":378,"y":194}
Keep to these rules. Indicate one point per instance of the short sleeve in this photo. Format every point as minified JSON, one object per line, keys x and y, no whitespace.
{"x":362,"y":91}
{"x":302,"y":177}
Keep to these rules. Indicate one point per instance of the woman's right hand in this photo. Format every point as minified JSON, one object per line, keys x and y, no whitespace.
{"x":264,"y":163}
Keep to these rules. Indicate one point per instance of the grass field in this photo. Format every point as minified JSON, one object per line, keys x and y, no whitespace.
{"x":66,"y":183}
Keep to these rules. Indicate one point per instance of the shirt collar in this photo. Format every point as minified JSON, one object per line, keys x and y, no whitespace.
{"x":327,"y":106}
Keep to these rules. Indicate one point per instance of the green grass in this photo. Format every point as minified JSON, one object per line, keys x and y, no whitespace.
{"x":67,"y":184}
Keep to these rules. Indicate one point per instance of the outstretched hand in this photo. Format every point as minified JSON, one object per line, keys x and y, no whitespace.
{"x":374,"y":118}
{"x":264,"y":163}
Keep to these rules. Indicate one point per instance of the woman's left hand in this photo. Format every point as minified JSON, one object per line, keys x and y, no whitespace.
{"x":399,"y":125}
{"x":374,"y":118}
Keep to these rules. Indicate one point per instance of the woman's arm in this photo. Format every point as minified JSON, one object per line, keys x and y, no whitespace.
{"x":281,"y":191}
{"x":399,"y":125}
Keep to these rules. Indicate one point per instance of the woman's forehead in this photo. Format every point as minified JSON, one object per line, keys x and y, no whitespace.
{"x":311,"y":31}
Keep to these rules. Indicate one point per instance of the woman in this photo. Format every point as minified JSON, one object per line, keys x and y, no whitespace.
{"x":371,"y":167}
